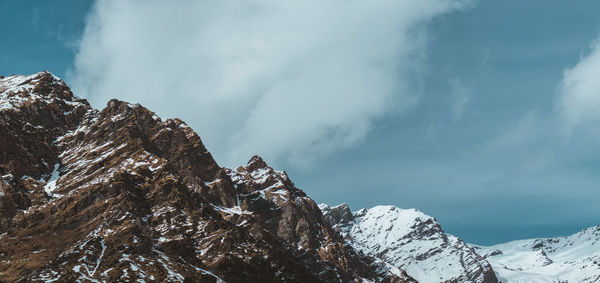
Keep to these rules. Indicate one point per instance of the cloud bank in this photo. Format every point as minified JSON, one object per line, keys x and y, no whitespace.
{"x":579,"y":92}
{"x":289,"y":80}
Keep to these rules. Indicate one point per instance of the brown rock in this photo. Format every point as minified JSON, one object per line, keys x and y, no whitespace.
{"x":138,"y":198}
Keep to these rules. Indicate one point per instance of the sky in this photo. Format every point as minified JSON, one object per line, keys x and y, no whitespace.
{"x":479,"y":113}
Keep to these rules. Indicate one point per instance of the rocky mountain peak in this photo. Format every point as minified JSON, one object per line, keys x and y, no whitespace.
{"x":256,"y":162}
{"x":34,"y":111}
{"x":122,"y":195}
{"x":337,"y":215}
{"x":18,"y":91}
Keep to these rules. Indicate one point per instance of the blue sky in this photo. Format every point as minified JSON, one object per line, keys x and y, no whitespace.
{"x":465,"y":123}
{"x":40,"y":35}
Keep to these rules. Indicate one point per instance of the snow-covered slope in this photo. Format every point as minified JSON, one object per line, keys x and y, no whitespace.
{"x":575,"y":258}
{"x":411,"y":240}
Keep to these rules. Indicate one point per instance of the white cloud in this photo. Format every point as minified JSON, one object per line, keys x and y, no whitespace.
{"x":290,"y":80}
{"x":579,"y":92}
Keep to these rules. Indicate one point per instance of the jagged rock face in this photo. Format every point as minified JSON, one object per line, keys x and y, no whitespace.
{"x":121,"y":195}
{"x":35,"y":110}
{"x":298,"y":221}
{"x":574,"y":258}
{"x":407,"y":239}
{"x":340,"y":215}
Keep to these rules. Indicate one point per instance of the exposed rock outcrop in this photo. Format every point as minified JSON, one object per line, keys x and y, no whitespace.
{"x":121,"y":195}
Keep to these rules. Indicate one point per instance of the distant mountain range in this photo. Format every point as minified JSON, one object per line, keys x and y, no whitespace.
{"x":410,"y":240}
{"x":575,"y":258}
{"x":120,"y":195}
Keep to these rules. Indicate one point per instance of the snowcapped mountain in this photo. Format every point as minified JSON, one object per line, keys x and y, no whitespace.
{"x":120,"y":195}
{"x":574,"y":258}
{"x":407,"y":239}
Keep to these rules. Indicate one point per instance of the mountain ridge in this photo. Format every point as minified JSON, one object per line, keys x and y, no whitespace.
{"x":118,"y":194}
{"x":410,"y":240}
{"x":573,"y":258}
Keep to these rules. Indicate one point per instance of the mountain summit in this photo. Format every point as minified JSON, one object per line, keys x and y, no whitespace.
{"x":410,"y":240}
{"x":119,"y":194}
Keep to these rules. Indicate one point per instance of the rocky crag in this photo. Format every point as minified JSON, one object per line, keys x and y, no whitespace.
{"x":119,"y":194}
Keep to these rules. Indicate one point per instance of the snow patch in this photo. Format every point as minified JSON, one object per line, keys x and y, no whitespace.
{"x":50,"y":186}
{"x":231,"y":210}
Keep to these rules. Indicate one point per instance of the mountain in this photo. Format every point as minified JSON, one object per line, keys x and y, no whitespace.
{"x":119,"y":194}
{"x":407,"y":239}
{"x":575,"y":258}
